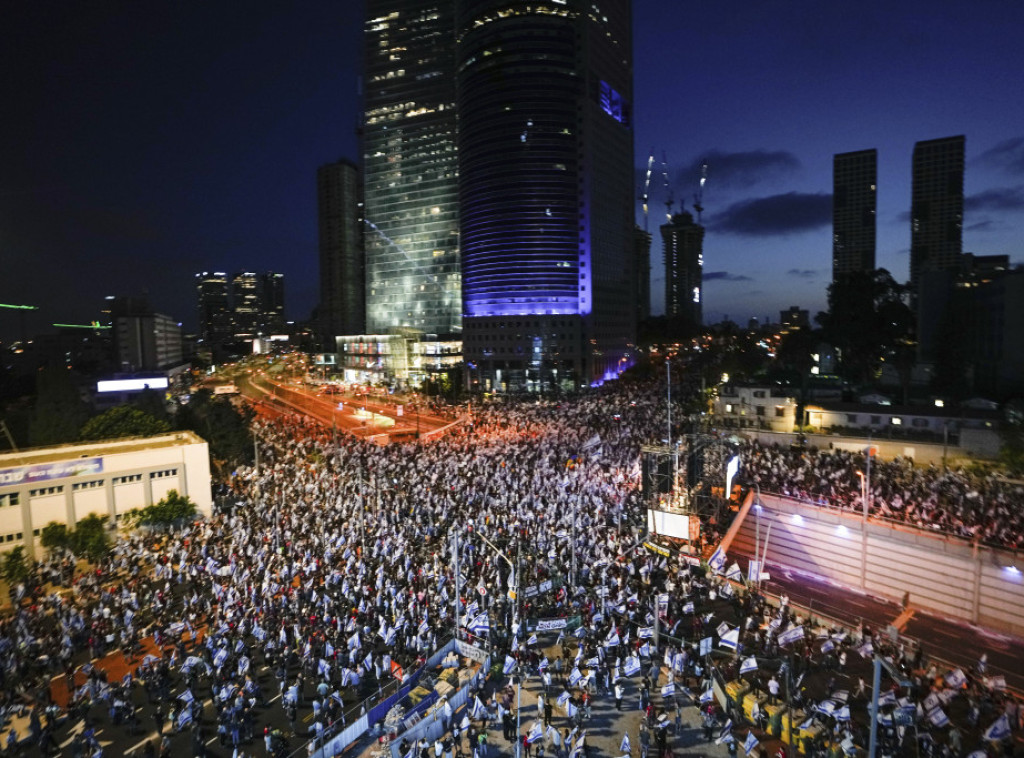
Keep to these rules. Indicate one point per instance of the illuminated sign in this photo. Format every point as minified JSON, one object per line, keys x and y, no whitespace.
{"x":132,"y":385}
{"x":42,"y":472}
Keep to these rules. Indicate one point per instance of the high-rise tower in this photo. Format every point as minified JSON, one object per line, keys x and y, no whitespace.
{"x":683,"y":242}
{"x":546,"y":190}
{"x":409,"y":168}
{"x":247,"y":305}
{"x":937,"y":207}
{"x":854,"y":204}
{"x":342,"y":264}
{"x":215,"y":322}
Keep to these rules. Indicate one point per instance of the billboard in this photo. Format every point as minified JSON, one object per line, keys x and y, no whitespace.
{"x":670,"y":524}
{"x":42,"y":472}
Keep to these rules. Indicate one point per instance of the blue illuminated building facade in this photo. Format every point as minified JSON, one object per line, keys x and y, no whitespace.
{"x":545,"y":164}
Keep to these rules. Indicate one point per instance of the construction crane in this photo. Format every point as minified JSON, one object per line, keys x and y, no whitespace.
{"x":645,"y":194}
{"x":698,"y":198}
{"x":669,"y":193}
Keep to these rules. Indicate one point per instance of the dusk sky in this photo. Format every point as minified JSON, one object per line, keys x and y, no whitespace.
{"x":143,"y":142}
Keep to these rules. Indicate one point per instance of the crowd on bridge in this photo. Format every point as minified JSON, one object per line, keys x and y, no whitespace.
{"x":334,"y":572}
{"x":960,"y":501}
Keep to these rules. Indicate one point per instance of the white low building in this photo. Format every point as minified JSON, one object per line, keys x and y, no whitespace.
{"x":755,"y":407}
{"x":66,"y":483}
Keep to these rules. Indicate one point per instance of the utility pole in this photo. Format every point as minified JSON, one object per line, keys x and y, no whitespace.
{"x":876,"y":683}
{"x":458,"y":578}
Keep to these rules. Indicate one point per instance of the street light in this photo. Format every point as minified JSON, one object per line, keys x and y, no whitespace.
{"x":515,"y":596}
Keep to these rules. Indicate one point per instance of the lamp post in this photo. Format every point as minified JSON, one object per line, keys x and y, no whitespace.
{"x":514,"y":568}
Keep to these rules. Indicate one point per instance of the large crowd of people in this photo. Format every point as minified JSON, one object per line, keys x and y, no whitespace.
{"x":957,"y":501}
{"x":333,"y":567}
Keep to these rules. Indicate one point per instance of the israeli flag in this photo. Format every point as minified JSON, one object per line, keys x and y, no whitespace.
{"x":258,"y":633}
{"x":631,"y":666}
{"x":186,"y":697}
{"x":220,"y":658}
{"x":791,"y":635}
{"x":717,"y":562}
{"x":724,"y":733}
{"x":574,"y":677}
{"x":734,"y":572}
{"x":184,"y":718}
{"x":563,"y":698}
{"x":580,"y":633}
{"x":956,"y":679}
{"x":828,"y":647}
{"x":999,"y":731}
{"x":843,"y":714}
{"x":688,"y":608}
{"x":473,"y":609}
{"x":510,"y":664}
{"x":730,"y":639}
{"x":645,"y":632}
{"x":645,"y":650}
{"x":625,"y":747}
{"x":750,"y":664}
{"x":328,"y":649}
{"x":593,"y":662}
{"x":938,"y":717}
{"x":707,"y":696}
{"x":570,"y":709}
{"x":353,"y":641}
{"x":323,"y":667}
{"x":478,"y":708}
{"x":612,"y":640}
{"x":750,"y":742}
{"x":532,"y":640}
{"x":668,"y":690}
{"x":536,"y":732}
{"x":480,"y":625}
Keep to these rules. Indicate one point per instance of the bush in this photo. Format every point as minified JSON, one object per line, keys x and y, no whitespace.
{"x":172,"y":509}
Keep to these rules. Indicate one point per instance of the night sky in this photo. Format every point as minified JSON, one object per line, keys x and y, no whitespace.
{"x":143,"y":142}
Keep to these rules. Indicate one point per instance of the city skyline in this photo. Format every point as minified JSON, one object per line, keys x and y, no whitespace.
{"x":148,"y":144}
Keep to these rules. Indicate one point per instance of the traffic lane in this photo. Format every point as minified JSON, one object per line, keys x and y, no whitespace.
{"x":964,"y":644}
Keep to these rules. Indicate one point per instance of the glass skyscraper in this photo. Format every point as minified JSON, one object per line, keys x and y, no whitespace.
{"x":409,"y":168}
{"x":546,"y":190}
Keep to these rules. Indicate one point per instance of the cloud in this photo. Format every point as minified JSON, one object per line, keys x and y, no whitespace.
{"x":804,"y":273}
{"x":736,"y":170}
{"x":725,"y":276}
{"x":1007,"y":155}
{"x":776,"y":214}
{"x":998,"y":199}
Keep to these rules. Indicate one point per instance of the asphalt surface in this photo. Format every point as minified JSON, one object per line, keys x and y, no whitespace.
{"x":954,"y":642}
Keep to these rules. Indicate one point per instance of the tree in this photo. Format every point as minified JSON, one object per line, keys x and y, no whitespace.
{"x":123,"y":421}
{"x":868,"y":321}
{"x":15,"y":566}
{"x":223,"y":426}
{"x":91,"y":538}
{"x":1011,"y":433}
{"x":55,"y":536}
{"x":173,"y":508}
{"x":59,"y":411}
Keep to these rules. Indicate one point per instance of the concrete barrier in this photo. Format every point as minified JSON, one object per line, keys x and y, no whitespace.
{"x":945,"y":575}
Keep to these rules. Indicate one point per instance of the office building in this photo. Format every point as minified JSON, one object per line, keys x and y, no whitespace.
{"x":409,"y":165}
{"x":683,"y":241}
{"x":272,"y":319}
{"x":342,"y":264}
{"x":246,"y":304}
{"x":854,"y":205}
{"x":215,"y":319}
{"x":66,"y":483}
{"x":937,"y":207}
{"x":546,"y":192}
{"x":143,"y":339}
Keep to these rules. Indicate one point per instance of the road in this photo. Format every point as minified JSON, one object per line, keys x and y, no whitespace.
{"x":958,"y":643}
